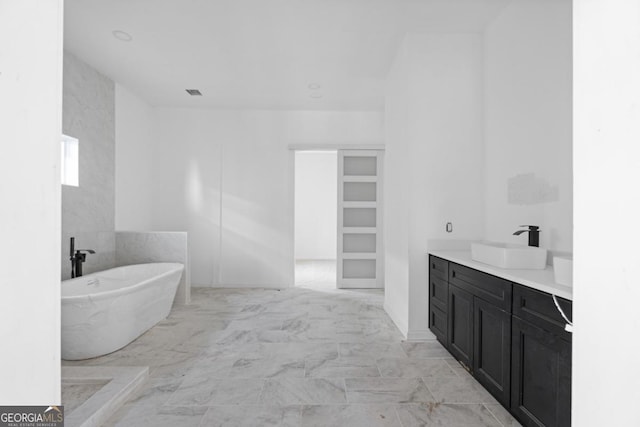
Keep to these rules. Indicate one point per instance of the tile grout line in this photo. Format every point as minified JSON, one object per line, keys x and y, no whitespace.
{"x":395,"y":409}
{"x":493,"y":415}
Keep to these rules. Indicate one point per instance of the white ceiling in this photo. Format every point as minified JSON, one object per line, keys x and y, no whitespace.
{"x":259,"y":53}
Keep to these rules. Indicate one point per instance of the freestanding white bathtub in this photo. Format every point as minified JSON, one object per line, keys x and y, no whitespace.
{"x":104,"y":311}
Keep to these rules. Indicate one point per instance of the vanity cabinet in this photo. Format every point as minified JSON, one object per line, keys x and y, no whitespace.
{"x":480,"y":327}
{"x":438,"y":298}
{"x":510,"y":337}
{"x":460,"y":337}
{"x":540,"y":360}
{"x":492,"y":349}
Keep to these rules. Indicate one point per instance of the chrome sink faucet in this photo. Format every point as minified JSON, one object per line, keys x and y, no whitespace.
{"x":534,"y":234}
{"x":77,"y":258}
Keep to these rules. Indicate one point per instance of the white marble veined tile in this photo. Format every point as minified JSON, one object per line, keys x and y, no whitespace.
{"x":294,"y":391}
{"x":387,"y":390}
{"x":374,"y":415}
{"x":204,"y":391}
{"x":252,"y":416}
{"x":450,"y":415}
{"x":371,"y":349}
{"x":458,"y":390}
{"x":333,"y":359}
{"x":414,"y":368}
{"x":344,"y":367}
{"x":425,"y":350}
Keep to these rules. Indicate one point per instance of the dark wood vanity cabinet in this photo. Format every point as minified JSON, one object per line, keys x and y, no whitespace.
{"x":480,"y":327}
{"x":438,"y":298}
{"x":460,"y":337}
{"x":540,"y":360}
{"x":510,"y":337}
{"x":492,"y":349}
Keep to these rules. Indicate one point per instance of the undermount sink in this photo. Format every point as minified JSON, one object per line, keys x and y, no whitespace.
{"x":509,"y":256}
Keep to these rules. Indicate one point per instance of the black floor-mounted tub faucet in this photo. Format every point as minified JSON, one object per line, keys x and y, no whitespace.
{"x":77,"y":258}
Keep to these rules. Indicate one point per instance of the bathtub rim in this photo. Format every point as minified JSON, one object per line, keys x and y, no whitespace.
{"x":176,"y":266}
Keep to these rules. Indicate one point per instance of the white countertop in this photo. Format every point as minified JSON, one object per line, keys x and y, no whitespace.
{"x":541,"y":280}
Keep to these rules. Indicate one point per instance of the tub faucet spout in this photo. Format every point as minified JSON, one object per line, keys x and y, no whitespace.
{"x":77,"y":258}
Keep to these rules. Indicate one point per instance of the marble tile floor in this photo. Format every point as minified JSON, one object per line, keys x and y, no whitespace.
{"x":74,"y":394}
{"x":295,"y":357}
{"x":316,"y":274}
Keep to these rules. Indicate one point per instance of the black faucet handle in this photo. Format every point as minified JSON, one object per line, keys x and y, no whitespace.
{"x":531,"y":227}
{"x":89,"y":251}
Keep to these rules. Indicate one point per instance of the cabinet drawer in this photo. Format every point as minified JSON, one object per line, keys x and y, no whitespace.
{"x":538,"y":308}
{"x":438,"y":267}
{"x":438,"y":324}
{"x":438,"y":292}
{"x":490,"y":288}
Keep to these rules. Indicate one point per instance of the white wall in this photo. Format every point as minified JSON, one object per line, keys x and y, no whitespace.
{"x":134,"y":132}
{"x":31,"y":111}
{"x":433,"y":172}
{"x":396,"y":198}
{"x":226,"y":177}
{"x":606,"y":212}
{"x":316,"y":204}
{"x":446,"y":124}
{"x":528,"y":123}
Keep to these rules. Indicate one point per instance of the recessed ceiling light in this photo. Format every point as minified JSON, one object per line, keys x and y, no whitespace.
{"x":316,"y":95}
{"x":122,"y":35}
{"x":194,"y":92}
{"x":314,"y":86}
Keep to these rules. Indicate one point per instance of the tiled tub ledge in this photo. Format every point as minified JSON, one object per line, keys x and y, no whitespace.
{"x":120,"y":383}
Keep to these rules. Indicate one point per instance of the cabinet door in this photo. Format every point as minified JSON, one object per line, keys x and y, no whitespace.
{"x":492,"y":349}
{"x":460,"y":328}
{"x":541,"y":376}
{"x":438,"y":324}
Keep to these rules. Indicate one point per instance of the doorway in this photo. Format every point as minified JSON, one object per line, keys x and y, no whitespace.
{"x":315,"y":220}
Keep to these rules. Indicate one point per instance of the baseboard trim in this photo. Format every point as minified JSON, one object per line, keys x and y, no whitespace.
{"x":420,"y":335}
{"x":402,"y":326}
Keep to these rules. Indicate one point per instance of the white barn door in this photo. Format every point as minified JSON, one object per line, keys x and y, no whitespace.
{"x":359,"y":255}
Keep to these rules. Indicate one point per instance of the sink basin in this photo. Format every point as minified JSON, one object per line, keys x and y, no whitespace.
{"x":563,"y":270}
{"x":509,"y":256}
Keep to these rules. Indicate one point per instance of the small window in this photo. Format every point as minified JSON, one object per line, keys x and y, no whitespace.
{"x":69,"y":161}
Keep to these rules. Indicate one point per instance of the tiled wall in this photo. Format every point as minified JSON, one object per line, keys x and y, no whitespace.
{"x":142,"y":247}
{"x":88,"y":211}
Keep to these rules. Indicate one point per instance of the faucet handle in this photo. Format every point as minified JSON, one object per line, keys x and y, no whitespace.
{"x":531,"y":227}
{"x":89,"y":251}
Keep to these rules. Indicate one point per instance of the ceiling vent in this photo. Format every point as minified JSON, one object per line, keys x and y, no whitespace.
{"x":194,"y":92}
